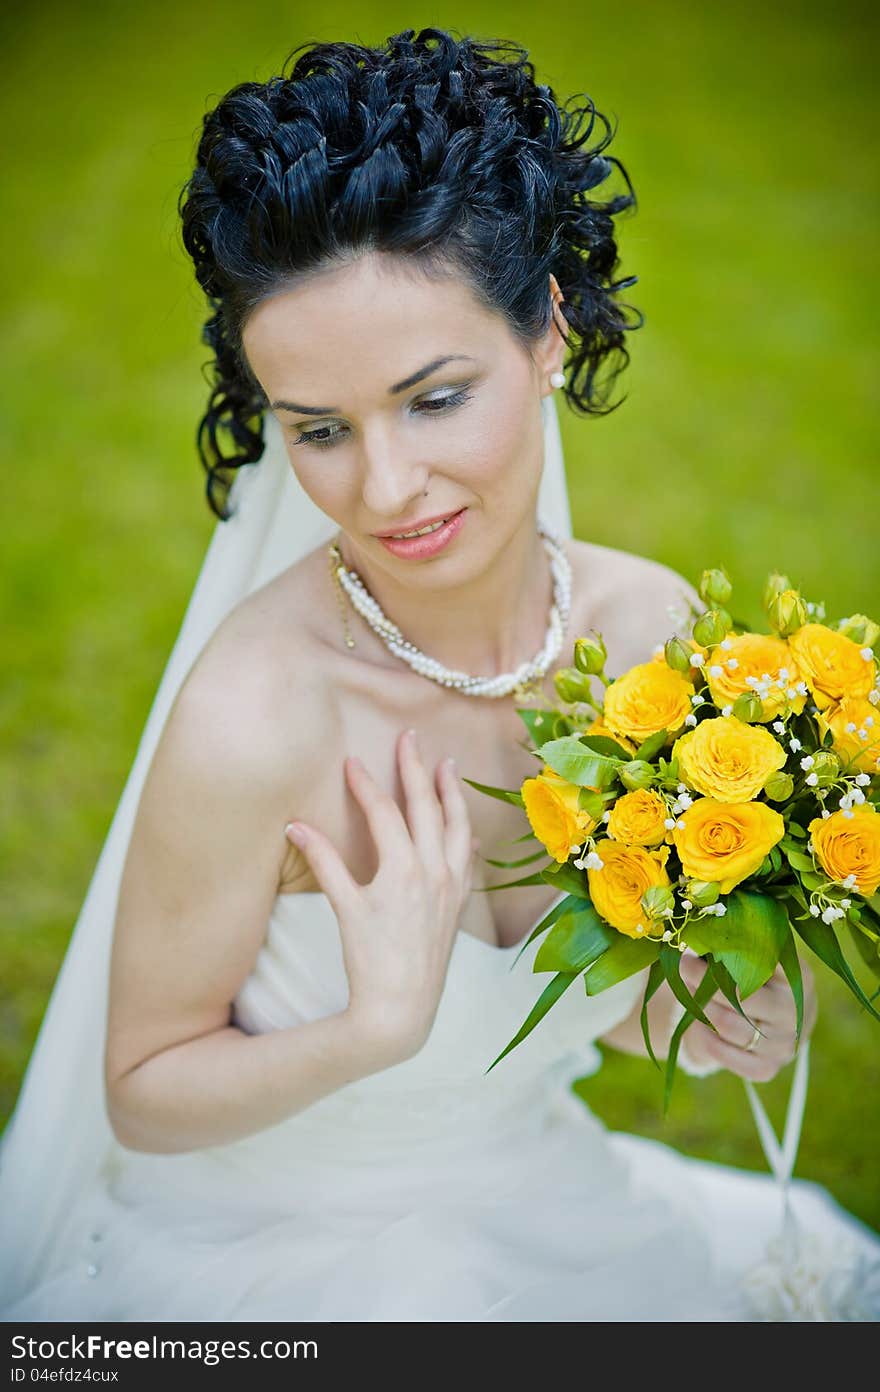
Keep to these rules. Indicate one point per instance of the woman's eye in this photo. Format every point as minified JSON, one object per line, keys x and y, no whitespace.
{"x":324,"y":438}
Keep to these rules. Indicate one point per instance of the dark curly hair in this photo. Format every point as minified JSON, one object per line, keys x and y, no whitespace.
{"x":441,"y":149}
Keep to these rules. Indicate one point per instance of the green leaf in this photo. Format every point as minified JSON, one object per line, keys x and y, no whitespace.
{"x":548,"y":997}
{"x":567,"y":876}
{"x":536,"y":722}
{"x":652,"y":745}
{"x":515,"y":864}
{"x":505,"y":794}
{"x":601,"y":744}
{"x":655,"y":978}
{"x":577,"y":938}
{"x":703,"y":993}
{"x":591,"y":802}
{"x":822,"y":939}
{"x":748,"y":938}
{"x":573,"y":761}
{"x":727,"y":986}
{"x":791,"y":966}
{"x":867,"y":948}
{"x":798,"y":861}
{"x":623,"y":958}
{"x":537,"y":878}
{"x":670,"y":961}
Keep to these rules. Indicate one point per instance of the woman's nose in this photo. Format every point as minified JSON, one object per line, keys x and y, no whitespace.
{"x":391,"y":480}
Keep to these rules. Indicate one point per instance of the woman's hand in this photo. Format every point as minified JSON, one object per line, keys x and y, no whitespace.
{"x":398,"y":930}
{"x":772,"y":1009}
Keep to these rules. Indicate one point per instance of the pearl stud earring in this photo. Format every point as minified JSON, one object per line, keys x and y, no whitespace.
{"x":557,"y":379}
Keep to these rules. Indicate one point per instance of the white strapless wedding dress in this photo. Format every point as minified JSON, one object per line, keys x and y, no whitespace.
{"x":433,"y":1191}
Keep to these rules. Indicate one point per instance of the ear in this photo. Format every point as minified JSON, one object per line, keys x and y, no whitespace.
{"x":550,"y":350}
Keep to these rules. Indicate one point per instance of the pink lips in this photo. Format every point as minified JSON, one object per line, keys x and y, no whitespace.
{"x":417,"y":548}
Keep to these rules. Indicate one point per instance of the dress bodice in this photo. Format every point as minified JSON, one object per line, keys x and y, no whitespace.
{"x":435,"y":1110}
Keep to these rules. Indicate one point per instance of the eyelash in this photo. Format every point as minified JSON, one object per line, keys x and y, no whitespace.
{"x":435,"y":407}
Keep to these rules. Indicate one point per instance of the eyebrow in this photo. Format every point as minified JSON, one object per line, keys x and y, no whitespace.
{"x":392,"y":391}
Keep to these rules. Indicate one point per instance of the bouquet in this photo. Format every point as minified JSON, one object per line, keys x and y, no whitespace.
{"x":721,"y":796}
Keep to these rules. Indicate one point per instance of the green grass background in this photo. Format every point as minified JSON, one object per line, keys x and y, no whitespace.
{"x":748,"y":436}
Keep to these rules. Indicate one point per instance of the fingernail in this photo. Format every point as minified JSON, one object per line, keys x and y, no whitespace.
{"x":296,"y":832}
{"x":450,"y":763}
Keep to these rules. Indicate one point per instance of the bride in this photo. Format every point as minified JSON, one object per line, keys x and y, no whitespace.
{"x":260,"y":1090}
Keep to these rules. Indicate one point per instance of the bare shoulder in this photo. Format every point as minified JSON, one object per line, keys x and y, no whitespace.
{"x":634,"y":601}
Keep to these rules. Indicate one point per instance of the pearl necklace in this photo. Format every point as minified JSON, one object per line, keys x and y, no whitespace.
{"x":526,"y":681}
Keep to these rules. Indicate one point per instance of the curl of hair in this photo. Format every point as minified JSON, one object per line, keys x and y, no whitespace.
{"x":441,"y":149}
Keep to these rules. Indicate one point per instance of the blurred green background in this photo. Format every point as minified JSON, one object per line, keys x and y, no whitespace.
{"x":747,"y":439}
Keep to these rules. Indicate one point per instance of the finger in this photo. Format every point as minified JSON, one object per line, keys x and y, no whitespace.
{"x":423,"y":809}
{"x":326,"y":865}
{"x":759,"y":1067}
{"x":731,"y":1026}
{"x":387,"y":823}
{"x":460,"y":843}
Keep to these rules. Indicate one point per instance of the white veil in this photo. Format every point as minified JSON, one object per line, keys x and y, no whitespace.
{"x":59,"y":1135}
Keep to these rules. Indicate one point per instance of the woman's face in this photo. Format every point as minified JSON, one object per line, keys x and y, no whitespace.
{"x":379,"y":451}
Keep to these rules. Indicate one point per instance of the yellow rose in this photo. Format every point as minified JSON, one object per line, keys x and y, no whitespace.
{"x":832,"y":664}
{"x":599,"y":727}
{"x":847,"y":846}
{"x":638,"y":818}
{"x":755,"y":655}
{"x":854,"y":710}
{"x":727,"y":758}
{"x":617,"y":888}
{"x":726,"y":841}
{"x":551,"y":804}
{"x":647,"y":698}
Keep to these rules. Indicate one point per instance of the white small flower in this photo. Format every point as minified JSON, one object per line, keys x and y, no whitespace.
{"x":752,"y":681}
{"x":825,"y":813}
{"x":716,"y":670}
{"x":732,"y":664}
{"x":720,"y":909}
{"x":594,"y":861}
{"x":857,"y":796}
{"x":779,"y":726}
{"x":794,"y":744}
{"x":579,"y":864}
{"x":725,"y":644}
{"x":606,"y":815}
{"x":810,"y":846}
{"x":661,"y":647}
{"x":727,"y":710}
{"x":863,"y":734}
{"x":850,"y":727}
{"x":686,"y":800}
{"x":669,"y":823}
{"x":812,"y":779}
{"x":850,"y":882}
{"x":869,"y":720}
{"x":845,"y":903}
{"x":697,"y":699}
{"x":697,"y":659}
{"x":680,"y":822}
{"x":667,"y":935}
{"x":791,"y":693}
{"x":801,"y":688}
{"x":681,"y":946}
{"x":783,"y":672}
{"x":848,"y":812}
{"x":874,"y":697}
{"x":686,"y":904}
{"x":681,"y":788}
{"x":863,"y":779}
{"x":867,"y":653}
{"x":807,"y":761}
{"x":690,"y":720}
{"x":829,"y":914}
{"x":815,"y":910}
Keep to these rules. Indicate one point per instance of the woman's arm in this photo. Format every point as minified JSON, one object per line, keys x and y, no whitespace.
{"x":197,"y":891}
